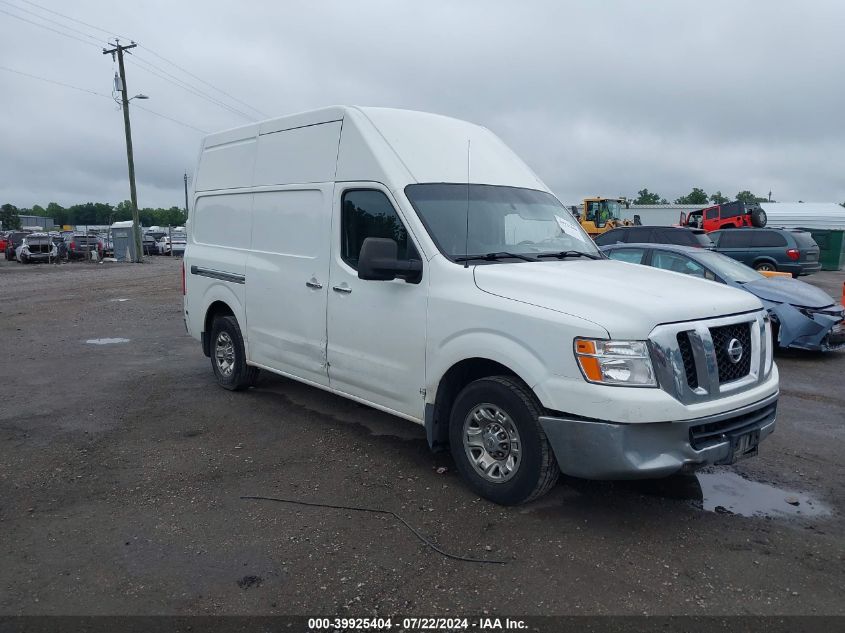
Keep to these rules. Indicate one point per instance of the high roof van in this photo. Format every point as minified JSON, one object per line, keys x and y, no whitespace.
{"x":413,"y":263}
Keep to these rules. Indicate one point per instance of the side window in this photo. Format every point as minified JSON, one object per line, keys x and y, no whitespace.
{"x":733,"y":238}
{"x":630,"y":255}
{"x":733,"y":209}
{"x":712,"y":214}
{"x":676,"y":263}
{"x":593,"y":214}
{"x":369,"y":213}
{"x":768,"y":239}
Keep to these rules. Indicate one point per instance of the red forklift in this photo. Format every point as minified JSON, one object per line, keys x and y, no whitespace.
{"x":731,"y":215}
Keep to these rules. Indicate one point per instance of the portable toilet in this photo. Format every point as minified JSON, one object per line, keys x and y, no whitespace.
{"x":123,"y":242}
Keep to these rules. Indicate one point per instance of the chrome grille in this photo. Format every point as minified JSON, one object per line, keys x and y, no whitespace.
{"x":692,"y":362}
{"x":689,"y":361}
{"x":722,"y":337}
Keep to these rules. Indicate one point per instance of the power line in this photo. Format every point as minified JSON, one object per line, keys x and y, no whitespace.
{"x":98,"y":94}
{"x":169,"y":77}
{"x":164,"y":116}
{"x":176,"y":81}
{"x":44,"y":26}
{"x":210,"y":85}
{"x":197,"y":91}
{"x":99,"y":41}
{"x":149,"y":65}
{"x":53,"y":81}
{"x":67,"y":17}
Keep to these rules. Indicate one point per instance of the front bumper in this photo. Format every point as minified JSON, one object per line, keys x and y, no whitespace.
{"x":593,"y":449}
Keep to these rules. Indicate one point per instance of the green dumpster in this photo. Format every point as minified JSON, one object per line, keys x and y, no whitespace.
{"x":832,"y":246}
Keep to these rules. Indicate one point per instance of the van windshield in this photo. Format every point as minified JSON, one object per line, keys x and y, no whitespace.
{"x":474,"y":220}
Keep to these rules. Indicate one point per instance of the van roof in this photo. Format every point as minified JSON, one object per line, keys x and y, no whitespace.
{"x":389,"y":145}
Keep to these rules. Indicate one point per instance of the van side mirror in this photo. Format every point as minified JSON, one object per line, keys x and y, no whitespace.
{"x":378,"y":261}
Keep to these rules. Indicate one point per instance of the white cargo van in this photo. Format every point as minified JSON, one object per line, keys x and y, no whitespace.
{"x":413,"y":263}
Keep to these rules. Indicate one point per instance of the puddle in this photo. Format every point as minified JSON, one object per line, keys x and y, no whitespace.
{"x":727,"y":491}
{"x":118,"y":300}
{"x":106,"y":341}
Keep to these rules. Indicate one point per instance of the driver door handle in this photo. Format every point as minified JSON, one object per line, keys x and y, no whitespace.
{"x":314,"y":284}
{"x":343,"y":289}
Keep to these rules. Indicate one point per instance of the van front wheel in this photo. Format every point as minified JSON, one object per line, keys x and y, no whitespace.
{"x":497,"y":442}
{"x":228,"y":355}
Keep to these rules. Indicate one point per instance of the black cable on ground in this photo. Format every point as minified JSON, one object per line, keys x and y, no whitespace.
{"x":379,"y":511}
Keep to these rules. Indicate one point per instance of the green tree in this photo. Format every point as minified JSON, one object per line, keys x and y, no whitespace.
{"x":696,"y":196}
{"x":644,"y":196}
{"x":58,"y":213}
{"x":748,"y":197}
{"x":718,"y":198}
{"x":10,"y":217}
{"x":123,"y":211}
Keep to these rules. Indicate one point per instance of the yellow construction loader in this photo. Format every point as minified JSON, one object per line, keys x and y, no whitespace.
{"x":598,"y":214}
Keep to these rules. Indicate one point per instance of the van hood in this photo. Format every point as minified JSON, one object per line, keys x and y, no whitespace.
{"x":627,"y":300}
{"x":788,"y":290}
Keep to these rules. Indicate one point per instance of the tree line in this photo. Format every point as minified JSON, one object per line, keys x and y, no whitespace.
{"x":92,"y":213}
{"x":698,"y":196}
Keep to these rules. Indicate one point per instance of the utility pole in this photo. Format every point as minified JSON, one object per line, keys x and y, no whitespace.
{"x":186,"y":196}
{"x":136,"y":225}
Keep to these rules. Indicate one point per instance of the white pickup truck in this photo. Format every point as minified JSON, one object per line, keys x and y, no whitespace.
{"x":413,"y":263}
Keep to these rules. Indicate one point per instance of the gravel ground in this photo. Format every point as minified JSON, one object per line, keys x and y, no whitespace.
{"x":122,"y":468}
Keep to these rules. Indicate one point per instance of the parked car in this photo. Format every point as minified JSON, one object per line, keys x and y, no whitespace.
{"x":37,"y":247}
{"x":80,"y":244}
{"x":785,"y":250}
{"x":178,"y":247}
{"x":3,"y":242}
{"x":656,"y":234}
{"x":482,"y":311}
{"x":731,"y":215}
{"x":802,"y":315}
{"x":13,"y":242}
{"x":149,"y":244}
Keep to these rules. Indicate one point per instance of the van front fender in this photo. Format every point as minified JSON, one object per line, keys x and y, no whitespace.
{"x":485,"y":344}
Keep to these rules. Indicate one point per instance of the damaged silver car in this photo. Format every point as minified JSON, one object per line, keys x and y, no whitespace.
{"x":803,"y":316}
{"x":37,"y":247}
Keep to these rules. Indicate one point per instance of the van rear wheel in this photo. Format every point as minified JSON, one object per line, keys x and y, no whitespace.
{"x":228,"y":355}
{"x":765,"y":267}
{"x":497,"y":442}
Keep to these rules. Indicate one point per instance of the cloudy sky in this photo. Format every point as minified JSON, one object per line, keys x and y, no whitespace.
{"x":599,"y":97}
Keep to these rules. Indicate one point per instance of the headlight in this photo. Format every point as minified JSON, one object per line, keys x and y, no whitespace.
{"x":615,"y":362}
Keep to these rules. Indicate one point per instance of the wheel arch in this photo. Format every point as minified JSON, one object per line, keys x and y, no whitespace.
{"x":215,"y":309}
{"x":453,"y":380}
{"x":765,"y":259}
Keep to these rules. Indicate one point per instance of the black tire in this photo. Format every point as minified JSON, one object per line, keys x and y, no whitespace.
{"x":24,"y":259}
{"x":241,"y":376}
{"x":767,"y":266}
{"x":537,"y":470}
{"x":758,"y":218}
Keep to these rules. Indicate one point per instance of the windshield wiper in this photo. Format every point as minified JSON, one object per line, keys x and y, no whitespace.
{"x":565,"y":254}
{"x":492,"y":257}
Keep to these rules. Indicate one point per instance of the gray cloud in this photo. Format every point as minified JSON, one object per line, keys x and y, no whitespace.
{"x":599,"y":97}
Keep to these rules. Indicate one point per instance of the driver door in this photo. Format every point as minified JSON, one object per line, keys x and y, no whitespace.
{"x":376,"y":329}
